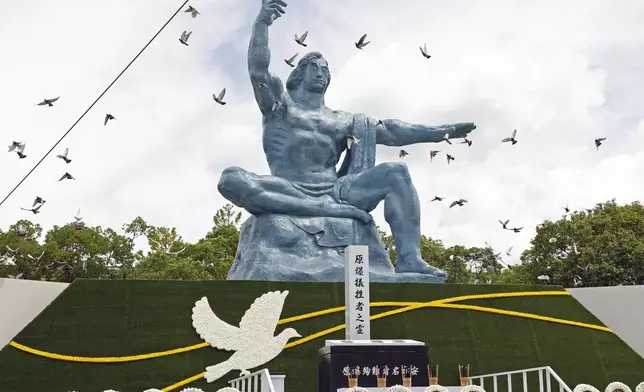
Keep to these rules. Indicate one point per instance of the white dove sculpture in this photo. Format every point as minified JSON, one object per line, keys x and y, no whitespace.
{"x":253,"y":341}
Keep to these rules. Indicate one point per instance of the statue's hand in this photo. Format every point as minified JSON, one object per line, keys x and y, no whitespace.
{"x":459,"y":130}
{"x":349,"y":211}
{"x":271,"y":10}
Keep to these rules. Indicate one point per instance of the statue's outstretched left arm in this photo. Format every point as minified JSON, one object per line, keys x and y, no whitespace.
{"x":399,"y":133}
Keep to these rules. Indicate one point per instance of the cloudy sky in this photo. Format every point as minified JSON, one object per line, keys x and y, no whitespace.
{"x":562,"y":73}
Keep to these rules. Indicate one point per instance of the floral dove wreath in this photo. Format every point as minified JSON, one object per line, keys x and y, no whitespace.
{"x":585,"y":388}
{"x":227,"y":389}
{"x":474,"y":388}
{"x":617,"y":386}
{"x":436,"y":388}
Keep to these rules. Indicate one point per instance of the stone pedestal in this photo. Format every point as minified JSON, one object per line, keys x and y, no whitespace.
{"x":340,"y":360}
{"x":290,"y":249}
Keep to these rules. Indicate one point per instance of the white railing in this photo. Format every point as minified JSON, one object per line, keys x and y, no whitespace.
{"x":545,"y":375}
{"x":259,"y":381}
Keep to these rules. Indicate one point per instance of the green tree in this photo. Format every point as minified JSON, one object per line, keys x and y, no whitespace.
{"x":603,"y":246}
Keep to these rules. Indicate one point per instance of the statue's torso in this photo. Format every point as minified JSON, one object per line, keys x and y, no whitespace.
{"x":305,"y":145}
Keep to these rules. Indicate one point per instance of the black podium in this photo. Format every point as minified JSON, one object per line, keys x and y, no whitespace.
{"x":371,"y":360}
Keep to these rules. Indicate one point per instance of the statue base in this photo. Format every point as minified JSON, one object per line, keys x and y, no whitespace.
{"x":289,"y":249}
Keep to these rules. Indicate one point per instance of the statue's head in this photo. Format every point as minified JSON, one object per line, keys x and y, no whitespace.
{"x":311,"y":73}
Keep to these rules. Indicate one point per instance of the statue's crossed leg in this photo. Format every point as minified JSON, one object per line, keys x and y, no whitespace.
{"x":359,"y":194}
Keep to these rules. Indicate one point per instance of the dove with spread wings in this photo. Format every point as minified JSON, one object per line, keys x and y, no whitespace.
{"x":253,"y":341}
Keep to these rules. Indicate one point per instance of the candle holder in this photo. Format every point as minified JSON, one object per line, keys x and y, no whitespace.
{"x":382,"y":381}
{"x":353,"y":381}
{"x":432,"y":372}
{"x":464,"y":374}
{"x":406,"y":376}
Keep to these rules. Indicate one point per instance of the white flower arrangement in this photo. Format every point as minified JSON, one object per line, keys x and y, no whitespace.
{"x":253,"y":341}
{"x":472,"y":388}
{"x":640,"y":387}
{"x":354,"y":389}
{"x":436,"y":388}
{"x":585,"y":388}
{"x":398,"y":388}
{"x":617,"y":386}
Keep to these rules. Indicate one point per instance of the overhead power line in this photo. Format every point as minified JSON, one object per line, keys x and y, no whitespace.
{"x":95,"y":102}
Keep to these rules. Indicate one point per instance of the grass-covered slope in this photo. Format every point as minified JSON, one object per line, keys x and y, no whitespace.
{"x":118,"y":318}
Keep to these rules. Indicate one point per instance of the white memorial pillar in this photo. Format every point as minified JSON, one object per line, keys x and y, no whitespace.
{"x":356,"y":292}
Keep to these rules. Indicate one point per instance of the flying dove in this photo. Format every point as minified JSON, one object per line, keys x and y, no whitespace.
{"x":220,"y":98}
{"x":598,"y":142}
{"x":511,"y":139}
{"x":63,"y":156}
{"x":566,"y":208}
{"x":351,"y":140}
{"x":584,"y":268}
{"x":66,"y":176}
{"x":48,"y":101}
{"x":446,"y":138}
{"x":290,"y":61}
{"x":423,"y":50}
{"x":253,"y":341}
{"x":34,"y":209}
{"x":184,"y":37}
{"x":192,"y":11}
{"x":436,"y":198}
{"x":176,"y":253}
{"x":517,"y":229}
{"x":11,"y":250}
{"x":577,"y":280}
{"x":36,"y":258}
{"x":432,"y":154}
{"x":15,"y":145}
{"x":450,"y":158}
{"x":108,"y":117}
{"x":544,"y":278}
{"x":19,"y":276}
{"x":509,"y":251}
{"x":20,"y":229}
{"x":459,"y":202}
{"x":78,"y":217}
{"x":20,"y":150}
{"x":468,"y":142}
{"x":361,"y":42}
{"x":300,"y":40}
{"x":402,"y":154}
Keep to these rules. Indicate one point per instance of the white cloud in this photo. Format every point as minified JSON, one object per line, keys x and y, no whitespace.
{"x":562,"y":73}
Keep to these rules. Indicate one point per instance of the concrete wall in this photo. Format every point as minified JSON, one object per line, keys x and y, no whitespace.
{"x":619,"y":308}
{"x":21,"y":301}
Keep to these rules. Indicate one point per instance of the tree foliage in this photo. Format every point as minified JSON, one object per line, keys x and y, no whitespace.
{"x":599,"y":247}
{"x":603,"y":246}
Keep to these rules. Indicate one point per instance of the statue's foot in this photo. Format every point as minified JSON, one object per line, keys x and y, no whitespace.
{"x":419,"y":266}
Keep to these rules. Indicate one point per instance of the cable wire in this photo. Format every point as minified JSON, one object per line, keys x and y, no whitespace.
{"x":96,"y":101}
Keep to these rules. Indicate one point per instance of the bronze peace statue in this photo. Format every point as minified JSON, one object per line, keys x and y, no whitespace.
{"x":306,"y":211}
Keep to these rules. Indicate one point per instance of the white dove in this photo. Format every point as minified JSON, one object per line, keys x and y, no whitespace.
{"x":36,"y":258}
{"x":253,"y":341}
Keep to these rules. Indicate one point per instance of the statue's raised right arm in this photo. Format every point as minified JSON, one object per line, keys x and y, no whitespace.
{"x":268,"y":88}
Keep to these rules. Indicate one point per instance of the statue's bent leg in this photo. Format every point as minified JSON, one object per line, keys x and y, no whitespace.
{"x":391,"y":182}
{"x":274,"y":195}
